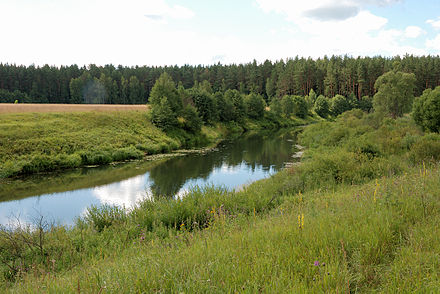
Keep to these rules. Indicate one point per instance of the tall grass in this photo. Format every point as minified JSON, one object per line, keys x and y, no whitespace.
{"x":373,"y":237}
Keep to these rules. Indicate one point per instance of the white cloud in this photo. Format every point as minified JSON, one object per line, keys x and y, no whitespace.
{"x":434,"y":23}
{"x":325,"y":10}
{"x":97,"y":31}
{"x":357,"y":32}
{"x":434,"y":43}
{"x":143,"y":32}
{"x":413,"y":32}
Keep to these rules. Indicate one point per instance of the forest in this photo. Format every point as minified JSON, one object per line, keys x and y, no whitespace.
{"x":328,"y":76}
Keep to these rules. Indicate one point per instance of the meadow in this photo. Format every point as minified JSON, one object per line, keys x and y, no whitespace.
{"x":36,"y":142}
{"x":360,"y":214}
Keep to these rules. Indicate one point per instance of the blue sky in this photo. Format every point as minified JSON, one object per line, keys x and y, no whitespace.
{"x":168,"y":32}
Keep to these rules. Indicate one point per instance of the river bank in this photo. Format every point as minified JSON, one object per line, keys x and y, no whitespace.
{"x":61,"y":197}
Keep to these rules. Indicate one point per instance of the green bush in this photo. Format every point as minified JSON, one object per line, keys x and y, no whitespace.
{"x":339,"y":104}
{"x":300,"y":107}
{"x":427,"y":148}
{"x":191,"y":120}
{"x":426,"y":110}
{"x":254,"y":106}
{"x":322,"y":106}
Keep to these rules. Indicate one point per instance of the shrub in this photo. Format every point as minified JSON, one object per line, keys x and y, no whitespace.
{"x":162,"y":115}
{"x":254,"y":105}
{"x":275,"y":106}
{"x":339,"y":104}
{"x":287,"y":105}
{"x":300,"y":107}
{"x":426,"y":110}
{"x":191,"y":120}
{"x":427,"y":148}
{"x":322,"y":106}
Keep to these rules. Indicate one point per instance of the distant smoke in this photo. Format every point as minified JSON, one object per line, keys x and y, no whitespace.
{"x":94,"y":93}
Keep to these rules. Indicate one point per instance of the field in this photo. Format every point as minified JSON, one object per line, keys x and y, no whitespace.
{"x":22,"y":108}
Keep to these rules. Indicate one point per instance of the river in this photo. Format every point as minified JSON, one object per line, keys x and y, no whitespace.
{"x":61,"y":198}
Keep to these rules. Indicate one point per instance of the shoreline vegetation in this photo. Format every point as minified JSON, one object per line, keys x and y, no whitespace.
{"x":359,"y":214}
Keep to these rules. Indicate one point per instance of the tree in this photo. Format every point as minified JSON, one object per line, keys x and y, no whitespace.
{"x":300,"y":106}
{"x":255,"y":105}
{"x":426,"y":110}
{"x":275,"y":106}
{"x":310,"y":99}
{"x":287,"y":105}
{"x":321,"y":106}
{"x":395,"y":93}
{"x":125,"y":90}
{"x":162,"y":115}
{"x":76,"y":95}
{"x":191,"y":119}
{"x":270,"y":88}
{"x":339,"y":104}
{"x":136,"y":91}
{"x":225,"y":107}
{"x":165,"y":87}
{"x":236,"y":99}
{"x":205,"y":104}
{"x":365,"y":104}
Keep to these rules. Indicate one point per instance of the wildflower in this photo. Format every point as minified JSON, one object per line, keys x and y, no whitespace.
{"x":316,"y":263}
{"x":375,"y":191}
{"x":300,"y":221}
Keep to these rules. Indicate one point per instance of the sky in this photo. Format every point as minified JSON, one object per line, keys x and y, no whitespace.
{"x":179,"y":32}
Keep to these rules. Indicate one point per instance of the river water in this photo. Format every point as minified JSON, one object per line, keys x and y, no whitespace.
{"x":63,"y":197}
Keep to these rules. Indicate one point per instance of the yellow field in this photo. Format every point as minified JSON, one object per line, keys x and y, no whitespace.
{"x":20,"y":108}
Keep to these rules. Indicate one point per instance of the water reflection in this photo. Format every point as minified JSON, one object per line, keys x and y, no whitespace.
{"x":124,"y":193}
{"x":64,"y":197}
{"x":254,"y":157}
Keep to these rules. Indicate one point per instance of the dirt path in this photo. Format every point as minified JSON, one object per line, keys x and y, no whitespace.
{"x":22,"y":107}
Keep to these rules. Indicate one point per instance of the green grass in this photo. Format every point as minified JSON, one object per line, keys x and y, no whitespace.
{"x":360,"y":214}
{"x":36,"y":142}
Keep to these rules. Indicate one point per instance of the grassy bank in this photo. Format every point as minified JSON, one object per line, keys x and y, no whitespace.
{"x":360,"y":214}
{"x":36,"y":142}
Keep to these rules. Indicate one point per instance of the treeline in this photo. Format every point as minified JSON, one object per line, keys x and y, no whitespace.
{"x":337,"y":75}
